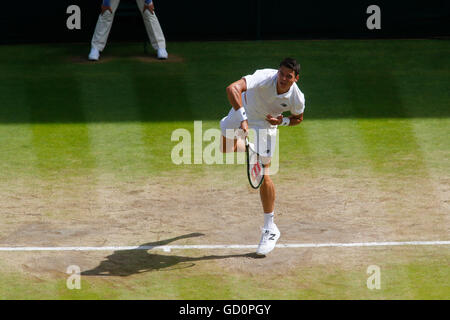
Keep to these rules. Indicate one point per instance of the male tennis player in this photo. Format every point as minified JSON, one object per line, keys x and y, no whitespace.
{"x":258,"y":101}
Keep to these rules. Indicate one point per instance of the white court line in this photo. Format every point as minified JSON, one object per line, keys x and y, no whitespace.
{"x":232,"y":246}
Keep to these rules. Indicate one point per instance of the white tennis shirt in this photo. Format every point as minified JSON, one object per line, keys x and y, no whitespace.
{"x":261,"y":97}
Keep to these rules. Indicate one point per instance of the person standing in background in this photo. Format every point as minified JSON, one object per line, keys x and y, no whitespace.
{"x":105,"y":21}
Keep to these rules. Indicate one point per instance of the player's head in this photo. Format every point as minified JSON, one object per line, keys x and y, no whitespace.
{"x":288,"y":73}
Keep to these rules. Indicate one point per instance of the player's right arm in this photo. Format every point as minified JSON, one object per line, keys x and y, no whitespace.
{"x":234,"y":94}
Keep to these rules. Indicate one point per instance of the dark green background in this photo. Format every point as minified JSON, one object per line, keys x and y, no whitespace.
{"x":341,"y":79}
{"x":45,"y":21}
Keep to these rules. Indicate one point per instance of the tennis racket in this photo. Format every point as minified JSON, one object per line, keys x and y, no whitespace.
{"x":255,"y":167}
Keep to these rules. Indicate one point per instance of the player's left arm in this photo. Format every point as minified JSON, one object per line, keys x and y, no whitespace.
{"x":295,"y":119}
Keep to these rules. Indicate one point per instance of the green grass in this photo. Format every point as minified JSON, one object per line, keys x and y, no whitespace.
{"x":417,"y":279}
{"x":377,"y":109}
{"x":61,"y":117}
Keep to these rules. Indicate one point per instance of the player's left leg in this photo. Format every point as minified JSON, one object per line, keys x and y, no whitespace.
{"x":267,"y":191}
{"x":270,"y":232}
{"x":265,"y":143}
{"x":154,"y":31}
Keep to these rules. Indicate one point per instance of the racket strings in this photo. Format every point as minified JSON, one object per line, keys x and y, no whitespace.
{"x":256,"y":168}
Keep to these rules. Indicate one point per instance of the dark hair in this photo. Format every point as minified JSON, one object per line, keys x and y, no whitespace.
{"x":291,"y":64}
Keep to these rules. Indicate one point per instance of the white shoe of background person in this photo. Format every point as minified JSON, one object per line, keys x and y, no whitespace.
{"x":161,"y":53}
{"x":94,"y":55}
{"x":268,"y":241}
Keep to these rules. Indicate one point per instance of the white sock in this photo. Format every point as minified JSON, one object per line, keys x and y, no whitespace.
{"x":268,"y":220}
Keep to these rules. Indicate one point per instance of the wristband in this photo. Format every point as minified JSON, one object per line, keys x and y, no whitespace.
{"x":286,"y":121}
{"x":148,"y":1}
{"x":242,"y":114}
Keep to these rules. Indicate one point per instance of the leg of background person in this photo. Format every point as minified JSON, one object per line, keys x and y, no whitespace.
{"x":153,"y":27}
{"x":103,"y":27}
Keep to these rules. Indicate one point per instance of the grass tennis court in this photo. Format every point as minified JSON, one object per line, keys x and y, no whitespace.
{"x":85,"y":160}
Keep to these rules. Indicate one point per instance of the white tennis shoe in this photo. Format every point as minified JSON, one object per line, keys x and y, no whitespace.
{"x":161,"y":53}
{"x":268,"y":241}
{"x":94,"y":55}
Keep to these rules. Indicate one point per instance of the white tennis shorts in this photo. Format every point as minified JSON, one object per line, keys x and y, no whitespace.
{"x":265,"y":134}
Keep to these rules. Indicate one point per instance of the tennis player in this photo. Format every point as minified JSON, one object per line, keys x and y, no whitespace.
{"x":258,"y":101}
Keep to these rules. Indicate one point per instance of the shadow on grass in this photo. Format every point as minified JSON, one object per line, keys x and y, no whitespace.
{"x":128,"y":262}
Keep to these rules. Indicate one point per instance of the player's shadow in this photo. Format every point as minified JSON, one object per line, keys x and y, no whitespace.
{"x":128,"y":262}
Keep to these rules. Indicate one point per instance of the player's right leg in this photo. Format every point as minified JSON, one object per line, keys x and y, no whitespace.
{"x":232,"y":145}
{"x":102,"y":29}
